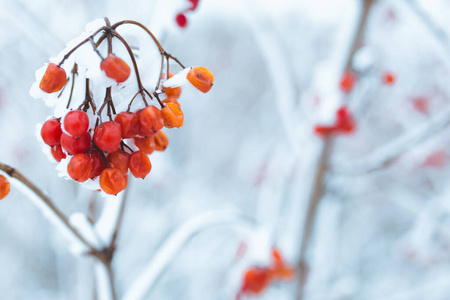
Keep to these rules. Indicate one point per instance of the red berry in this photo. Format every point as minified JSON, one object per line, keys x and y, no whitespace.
{"x":150,"y":121}
{"x":112,"y":181}
{"x":279,"y":268}
{"x":347,"y":83}
{"x":139,"y":164}
{"x":76,"y":123}
{"x":76,"y":145}
{"x":421,"y":104}
{"x":255,"y":280}
{"x":194,"y":4}
{"x":344,"y":120}
{"x":80,"y":167}
{"x":161,"y":141}
{"x":201,"y":78}
{"x":108,"y":135}
{"x":181,"y":20}
{"x":57,"y":153}
{"x":4,"y":187}
{"x":145,"y":144}
{"x":115,"y":68}
{"x":54,"y":79}
{"x":129,"y":123}
{"x":98,"y":163}
{"x":388,"y":78}
{"x":51,"y":132}
{"x":119,"y":160}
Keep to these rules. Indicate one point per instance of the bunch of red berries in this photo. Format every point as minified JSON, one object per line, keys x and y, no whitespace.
{"x":107,"y":150}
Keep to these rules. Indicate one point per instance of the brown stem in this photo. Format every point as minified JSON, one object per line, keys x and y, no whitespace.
{"x":17,"y":175}
{"x":114,"y":26}
{"x":80,"y":44}
{"x":74,"y":72}
{"x":111,"y":279}
{"x":318,"y":186}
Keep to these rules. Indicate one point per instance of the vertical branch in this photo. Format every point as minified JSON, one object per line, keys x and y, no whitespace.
{"x":318,"y":185}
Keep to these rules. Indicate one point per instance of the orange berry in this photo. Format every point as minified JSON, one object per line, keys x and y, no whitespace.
{"x":172,"y":100}
{"x":255,"y":280}
{"x":4,"y":187}
{"x":174,"y":92}
{"x":54,"y":79}
{"x":173,"y":116}
{"x":145,"y":144}
{"x":115,"y":68}
{"x":112,"y":181}
{"x":347,"y":83}
{"x":201,"y":78}
{"x":150,"y":120}
{"x":119,"y":160}
{"x":80,"y":167}
{"x":161,"y":141}
{"x":139,"y":164}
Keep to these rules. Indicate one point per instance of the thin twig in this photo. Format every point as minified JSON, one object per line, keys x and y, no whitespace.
{"x":386,"y":154}
{"x":318,"y":185}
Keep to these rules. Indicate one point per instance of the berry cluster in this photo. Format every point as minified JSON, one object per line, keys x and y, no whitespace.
{"x":181,"y":18}
{"x":256,"y":279}
{"x":4,"y":187}
{"x":107,"y":150}
{"x":343,"y":124}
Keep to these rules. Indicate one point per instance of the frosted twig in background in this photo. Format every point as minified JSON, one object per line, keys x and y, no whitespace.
{"x":385,"y":155}
{"x":173,"y":245}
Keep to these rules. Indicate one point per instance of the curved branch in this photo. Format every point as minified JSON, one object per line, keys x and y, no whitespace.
{"x":167,"y":252}
{"x":13,"y":173}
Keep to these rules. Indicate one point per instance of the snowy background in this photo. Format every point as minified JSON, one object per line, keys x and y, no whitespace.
{"x":247,"y":152}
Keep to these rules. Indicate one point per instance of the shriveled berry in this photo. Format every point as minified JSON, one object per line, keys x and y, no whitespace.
{"x":112,"y":181}
{"x":173,"y":116}
{"x":51,"y":132}
{"x":115,"y":68}
{"x":347,"y":83}
{"x":150,"y":121}
{"x":119,"y":160}
{"x":201,"y":78}
{"x":80,"y":167}
{"x":54,"y":79}
{"x":4,"y":187}
{"x":344,"y":120}
{"x":129,"y":123}
{"x":139,"y":164}
{"x":181,"y":20}
{"x":279,"y":268}
{"x":98,"y":163}
{"x":171,"y":100}
{"x":255,"y":280}
{"x":57,"y":153}
{"x":76,"y":145}
{"x":76,"y":123}
{"x":108,"y":135}
{"x":161,"y":141}
{"x":145,"y":144}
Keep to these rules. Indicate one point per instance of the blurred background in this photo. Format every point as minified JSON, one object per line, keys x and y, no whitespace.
{"x":382,"y":225}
